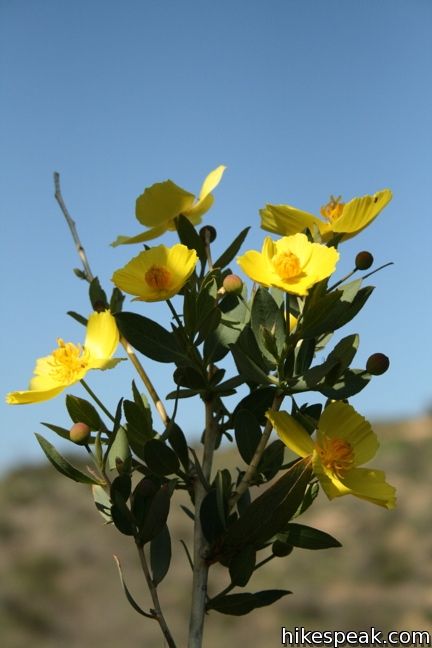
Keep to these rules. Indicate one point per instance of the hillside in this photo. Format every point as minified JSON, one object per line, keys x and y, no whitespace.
{"x":59,"y":585}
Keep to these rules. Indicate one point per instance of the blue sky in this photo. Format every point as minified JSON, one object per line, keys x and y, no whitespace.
{"x":299,"y":99}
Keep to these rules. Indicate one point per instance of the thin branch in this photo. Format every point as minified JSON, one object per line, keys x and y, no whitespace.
{"x":72,"y":226}
{"x":251,"y":470}
{"x":153,"y":591}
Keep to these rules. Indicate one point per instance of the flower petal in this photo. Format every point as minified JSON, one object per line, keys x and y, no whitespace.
{"x":340,"y":420}
{"x":211,"y":182}
{"x":256,"y":266}
{"x":291,"y":433}
{"x":360,"y":212}
{"x":286,"y":220}
{"x":32,"y":395}
{"x":371,"y":486}
{"x":150,"y":234}
{"x":322,"y":261}
{"x":102,"y":336}
{"x":162,"y":202}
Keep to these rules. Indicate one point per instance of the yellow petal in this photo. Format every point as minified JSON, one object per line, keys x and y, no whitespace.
{"x":32,"y":396}
{"x":340,"y":420}
{"x":211,"y":182}
{"x":286,"y":220}
{"x":360,"y":212}
{"x":162,"y":202}
{"x":322,"y":262}
{"x":102,"y":336}
{"x":196,"y":212}
{"x":297,"y":244}
{"x":371,"y":486}
{"x":256,"y":266}
{"x":291,"y":433}
{"x":150,"y":234}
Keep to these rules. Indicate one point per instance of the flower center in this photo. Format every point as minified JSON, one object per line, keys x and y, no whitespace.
{"x":69,"y":362}
{"x":336,"y":455}
{"x":333,"y":209}
{"x":158,"y":277}
{"x":287,"y":265}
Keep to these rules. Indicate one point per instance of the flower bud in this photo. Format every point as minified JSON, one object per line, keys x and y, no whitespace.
{"x":281,"y":549}
{"x":208,"y":233}
{"x":377,"y":364}
{"x":79,"y":433}
{"x":363,"y":260}
{"x":233,"y":284}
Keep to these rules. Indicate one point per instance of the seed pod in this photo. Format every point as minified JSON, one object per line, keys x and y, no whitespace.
{"x":79,"y":433}
{"x":377,"y":364}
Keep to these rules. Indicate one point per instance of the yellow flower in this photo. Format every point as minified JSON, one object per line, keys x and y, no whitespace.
{"x":344,"y":441}
{"x":160,"y":204}
{"x":347,"y":219}
{"x":70,"y":362}
{"x":292,"y":263}
{"x":158,"y":273}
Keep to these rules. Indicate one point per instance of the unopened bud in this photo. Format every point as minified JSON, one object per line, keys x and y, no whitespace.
{"x":363,"y":260}
{"x":233,"y":284}
{"x":79,"y":433}
{"x":377,"y":364}
{"x":208,"y":234}
{"x":281,"y":549}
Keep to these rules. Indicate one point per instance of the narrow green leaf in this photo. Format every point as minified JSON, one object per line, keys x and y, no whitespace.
{"x":81,"y":411}
{"x":129,"y":596}
{"x":190,"y":237}
{"x":247,"y":434}
{"x":62,"y":465}
{"x":157,"y":514}
{"x":97,"y":295}
{"x":79,"y":318}
{"x":240,"y":604}
{"x":242,"y":566}
{"x":102,"y":502}
{"x":119,"y":449}
{"x":231,"y":251}
{"x":149,"y":338}
{"x":160,"y":555}
{"x":306,"y":537}
{"x":62,"y":432}
{"x":160,"y":458}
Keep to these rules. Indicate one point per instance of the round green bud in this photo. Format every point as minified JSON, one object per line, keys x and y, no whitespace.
{"x":79,"y":433}
{"x":377,"y":364}
{"x":364,"y":260}
{"x":208,"y":233}
{"x":233,"y":284}
{"x":281,"y":549}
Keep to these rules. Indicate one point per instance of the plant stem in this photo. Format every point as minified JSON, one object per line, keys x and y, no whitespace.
{"x":72,"y":226}
{"x":200,"y":574}
{"x":251,"y":470}
{"x":97,"y":400}
{"x":146,"y":380}
{"x":158,"y":615}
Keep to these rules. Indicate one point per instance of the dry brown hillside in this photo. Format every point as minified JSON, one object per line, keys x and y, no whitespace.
{"x":59,"y":585}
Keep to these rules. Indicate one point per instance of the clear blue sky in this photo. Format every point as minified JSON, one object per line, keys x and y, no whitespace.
{"x":300,"y":99}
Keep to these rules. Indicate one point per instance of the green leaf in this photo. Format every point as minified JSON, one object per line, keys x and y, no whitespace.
{"x":139,"y":429}
{"x":177,"y":441}
{"x":62,"y":465}
{"x":190,"y":378}
{"x":62,"y":432}
{"x":81,"y":411}
{"x":119,"y":449}
{"x":97,"y":296}
{"x":150,"y":338}
{"x":79,"y":318}
{"x":242,"y":566}
{"x":231,"y":251}
{"x":306,"y":537}
{"x":190,"y":237}
{"x":160,"y":458}
{"x":102,"y":502}
{"x":239,"y":604}
{"x":208,"y":313}
{"x":336,"y":363}
{"x":157,"y":514}
{"x":129,"y":596}
{"x":272,"y":459}
{"x":213,"y":525}
{"x":347,"y":385}
{"x":121,"y":487}
{"x":333,"y":310}
{"x":267,"y":321}
{"x":247,"y":434}
{"x":257,"y":402}
{"x":141,"y":498}
{"x":160,"y":555}
{"x":116,"y":301}
{"x":269,"y":513}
